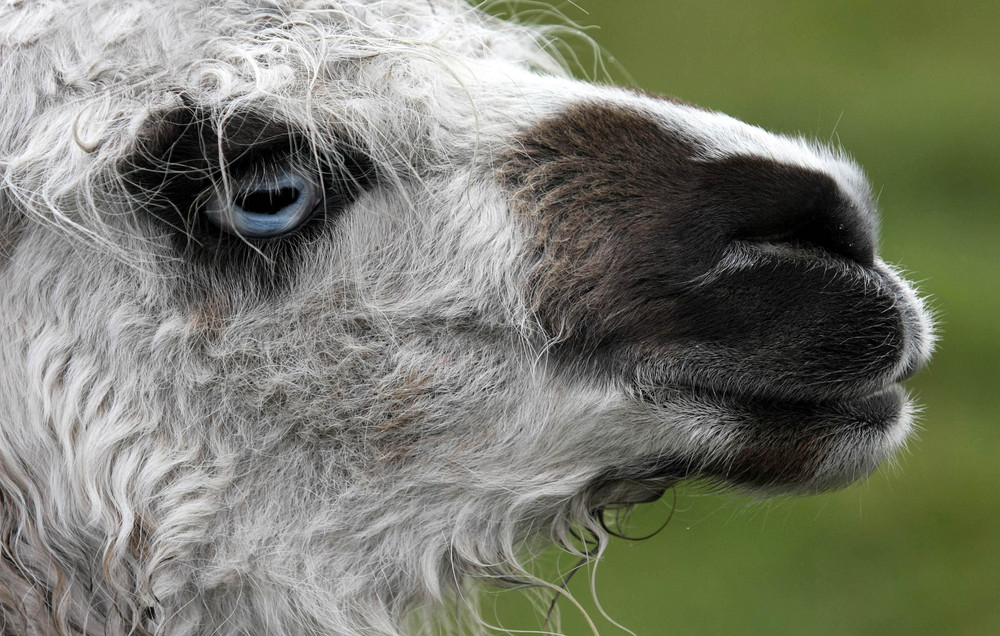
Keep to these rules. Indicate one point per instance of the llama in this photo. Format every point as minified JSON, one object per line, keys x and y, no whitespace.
{"x":316,"y":311}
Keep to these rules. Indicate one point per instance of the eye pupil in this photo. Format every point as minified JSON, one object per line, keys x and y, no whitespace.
{"x":268,"y":201}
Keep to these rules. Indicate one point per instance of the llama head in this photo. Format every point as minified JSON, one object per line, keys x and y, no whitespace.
{"x":314,"y":311}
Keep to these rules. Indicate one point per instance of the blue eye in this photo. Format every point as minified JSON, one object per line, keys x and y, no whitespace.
{"x":265,"y":206}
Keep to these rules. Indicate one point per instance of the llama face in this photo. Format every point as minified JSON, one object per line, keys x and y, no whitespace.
{"x":315,"y":310}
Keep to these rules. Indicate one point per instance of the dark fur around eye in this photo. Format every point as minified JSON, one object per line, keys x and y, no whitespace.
{"x":180,"y":156}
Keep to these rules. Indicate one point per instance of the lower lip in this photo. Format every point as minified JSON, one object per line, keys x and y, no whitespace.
{"x":875,"y":411}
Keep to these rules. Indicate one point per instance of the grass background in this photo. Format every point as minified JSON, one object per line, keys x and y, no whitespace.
{"x":912,"y":89}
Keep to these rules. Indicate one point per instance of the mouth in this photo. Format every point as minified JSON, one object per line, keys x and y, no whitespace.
{"x":770,"y":444}
{"x":761,"y":445}
{"x":784,"y":407}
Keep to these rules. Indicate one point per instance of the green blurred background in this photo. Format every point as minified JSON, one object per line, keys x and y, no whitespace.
{"x":911,"y":88}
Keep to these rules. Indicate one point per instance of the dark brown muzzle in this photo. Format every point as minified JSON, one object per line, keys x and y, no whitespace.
{"x":736,"y":273}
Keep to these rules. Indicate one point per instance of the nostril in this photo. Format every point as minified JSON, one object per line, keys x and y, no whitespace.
{"x":788,"y":204}
{"x":839,"y":231}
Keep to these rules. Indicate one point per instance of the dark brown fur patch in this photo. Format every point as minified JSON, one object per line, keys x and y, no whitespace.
{"x":628,"y":219}
{"x":626,"y":216}
{"x":769,"y":458}
{"x":589,"y":180}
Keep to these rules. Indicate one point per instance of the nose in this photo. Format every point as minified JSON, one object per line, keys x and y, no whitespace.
{"x":605,"y":184}
{"x":628,"y":215}
{"x":759,"y":200}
